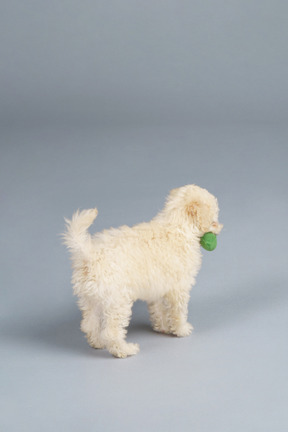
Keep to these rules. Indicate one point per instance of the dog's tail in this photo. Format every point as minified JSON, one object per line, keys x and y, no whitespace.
{"x":76,"y":236}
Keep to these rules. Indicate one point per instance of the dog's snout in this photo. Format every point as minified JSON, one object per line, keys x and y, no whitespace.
{"x":216,"y":227}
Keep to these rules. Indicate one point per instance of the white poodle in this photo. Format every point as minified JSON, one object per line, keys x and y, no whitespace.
{"x":155,"y":261}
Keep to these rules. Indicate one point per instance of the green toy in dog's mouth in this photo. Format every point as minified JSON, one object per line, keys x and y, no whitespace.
{"x":209,"y":241}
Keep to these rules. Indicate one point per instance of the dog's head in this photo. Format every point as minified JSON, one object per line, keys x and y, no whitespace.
{"x":196,"y":206}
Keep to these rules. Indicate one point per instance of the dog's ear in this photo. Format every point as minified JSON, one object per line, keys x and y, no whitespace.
{"x":193,"y":209}
{"x":199,"y":213}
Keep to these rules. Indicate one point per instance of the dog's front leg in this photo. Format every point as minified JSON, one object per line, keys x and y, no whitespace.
{"x":169,"y":313}
{"x":158,"y":317}
{"x":176,"y":311}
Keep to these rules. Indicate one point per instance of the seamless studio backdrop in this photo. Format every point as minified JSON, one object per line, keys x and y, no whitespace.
{"x":112,"y":104}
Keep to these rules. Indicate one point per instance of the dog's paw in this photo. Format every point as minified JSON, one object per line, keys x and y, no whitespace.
{"x":184,"y":330}
{"x":94,"y":342}
{"x":124,"y":350}
{"x":161,"y":329}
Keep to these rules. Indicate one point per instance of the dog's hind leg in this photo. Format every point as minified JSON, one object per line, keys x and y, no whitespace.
{"x":115,"y":322}
{"x":91,"y":323}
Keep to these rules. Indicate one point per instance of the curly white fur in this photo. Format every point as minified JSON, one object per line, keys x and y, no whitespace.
{"x":155,"y":261}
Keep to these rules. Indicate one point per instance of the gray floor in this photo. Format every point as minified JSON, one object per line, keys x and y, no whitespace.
{"x":231,"y":374}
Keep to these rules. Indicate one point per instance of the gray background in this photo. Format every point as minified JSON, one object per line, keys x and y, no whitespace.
{"x":112,"y":104}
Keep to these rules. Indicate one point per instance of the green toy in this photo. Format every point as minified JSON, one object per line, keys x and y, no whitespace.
{"x":209,"y":241}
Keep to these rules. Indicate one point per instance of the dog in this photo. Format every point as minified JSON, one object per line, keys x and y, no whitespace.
{"x":155,"y":261}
